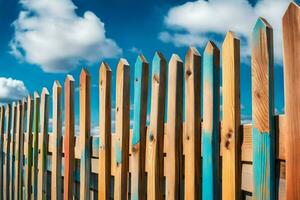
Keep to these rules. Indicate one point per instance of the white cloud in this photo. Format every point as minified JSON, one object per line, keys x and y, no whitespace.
{"x":193,"y":23}
{"x":135,"y":50}
{"x":11,"y":90}
{"x":50,"y":34}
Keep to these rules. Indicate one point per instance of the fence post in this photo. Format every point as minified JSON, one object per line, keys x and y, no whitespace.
{"x":84,"y":135}
{"x":105,"y":132}
{"x":192,"y":133}
{"x":6,"y":177}
{"x":35,"y":144}
{"x":155,"y":137}
{"x":69,"y":138}
{"x":17,"y":152}
{"x":122,"y":129}
{"x":12,"y":152}
{"x":174,"y":129}
{"x":2,"y":116}
{"x":230,"y":140}
{"x":210,"y":129}
{"x":291,"y":47}
{"x":42,"y":159}
{"x":22,"y":140}
{"x":263,"y":111}
{"x":28,"y":149}
{"x":139,"y":128}
{"x":56,"y":185}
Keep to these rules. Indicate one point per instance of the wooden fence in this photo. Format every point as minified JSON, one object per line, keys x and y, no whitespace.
{"x":163,"y":160}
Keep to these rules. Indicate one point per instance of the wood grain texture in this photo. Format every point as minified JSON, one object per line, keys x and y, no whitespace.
{"x":69,"y":138}
{"x":12,"y":151}
{"x":138,"y":142}
{"x":84,"y":134}
{"x":17,"y":152}
{"x":6,"y":167}
{"x":105,"y":132}
{"x":230,"y":134}
{"x":56,"y":181}
{"x":192,"y":133}
{"x":21,"y":191}
{"x":43,"y":145}
{"x":35,"y":150}
{"x":121,"y":144}
{"x":28,"y":149}
{"x":263,"y":111}
{"x":210,"y":128}
{"x":2,"y":125}
{"x":291,"y":48}
{"x":173,"y":138}
{"x":155,"y":136}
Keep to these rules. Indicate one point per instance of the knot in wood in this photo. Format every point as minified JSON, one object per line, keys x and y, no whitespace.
{"x":156,"y":78}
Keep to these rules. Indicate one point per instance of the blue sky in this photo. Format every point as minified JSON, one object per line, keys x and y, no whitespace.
{"x":43,"y":40}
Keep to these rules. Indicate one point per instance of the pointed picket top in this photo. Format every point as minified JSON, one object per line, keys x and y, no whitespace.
{"x":56,"y":84}
{"x":45,"y":92}
{"x":292,"y":8}
{"x":141,"y":59}
{"x":104,"y":67}
{"x":35,"y":95}
{"x":84,"y":74}
{"x":192,"y":51}
{"x":123,"y":63}
{"x":230,"y":36}
{"x":69,"y":78}
{"x":175,"y":58}
{"x":261,"y":24}
{"x":210,"y":47}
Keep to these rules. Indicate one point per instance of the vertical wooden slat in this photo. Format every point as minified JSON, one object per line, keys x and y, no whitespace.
{"x":230,"y":136}
{"x":35,"y":145}
{"x":138,"y":143}
{"x":291,"y":47}
{"x":2,"y":116}
{"x":17,"y":152}
{"x":210,"y":129}
{"x":28,"y":149}
{"x":122,"y":129}
{"x":43,"y":147}
{"x":69,"y":139}
{"x":263,"y":111}
{"x":6,"y":177}
{"x":12,"y":151}
{"x":22,"y":140}
{"x":155,"y":136}
{"x":105,"y":132}
{"x":84,"y":135}
{"x":174,"y":129}
{"x":56,"y":185}
{"x":192,"y":133}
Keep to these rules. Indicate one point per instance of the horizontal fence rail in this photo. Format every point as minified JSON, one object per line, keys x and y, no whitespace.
{"x":178,"y":155}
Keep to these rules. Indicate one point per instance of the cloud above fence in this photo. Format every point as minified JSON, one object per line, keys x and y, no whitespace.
{"x":193,"y":23}
{"x":11,"y":90}
{"x":49,"y":34}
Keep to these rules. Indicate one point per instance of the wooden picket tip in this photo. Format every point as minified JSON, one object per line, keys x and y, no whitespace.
{"x":291,"y":49}
{"x":105,"y":132}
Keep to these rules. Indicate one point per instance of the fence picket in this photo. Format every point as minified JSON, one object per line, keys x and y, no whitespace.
{"x":56,"y":185}
{"x":210,"y":129}
{"x":12,"y":151}
{"x":2,"y":117}
{"x":174,"y":129}
{"x":22,"y":140}
{"x":105,"y":132}
{"x":84,"y":135}
{"x":155,"y":139}
{"x":192,"y":133}
{"x":35,"y":145}
{"x":69,"y":139}
{"x":17,"y":152}
{"x":43,"y":146}
{"x":122,"y":130}
{"x":291,"y":48}
{"x":138,"y":143}
{"x":6,"y":177}
{"x":230,"y":140}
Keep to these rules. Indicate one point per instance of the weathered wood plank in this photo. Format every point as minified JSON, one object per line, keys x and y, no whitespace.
{"x":28,"y":149}
{"x":121,"y":143}
{"x":192,"y":133}
{"x":43,"y":145}
{"x":2,"y":117}
{"x":105,"y":132}
{"x":155,"y":136}
{"x":210,"y":129}
{"x":35,"y":145}
{"x":12,"y":151}
{"x":21,"y":191}
{"x":17,"y":152}
{"x":84,"y":135}
{"x":263,"y":111}
{"x":6,"y":177}
{"x":69,"y":139}
{"x":138,"y":142}
{"x":291,"y":48}
{"x":230,"y":132}
{"x":173,"y":161}
{"x":56,"y":181}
